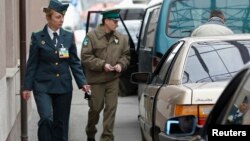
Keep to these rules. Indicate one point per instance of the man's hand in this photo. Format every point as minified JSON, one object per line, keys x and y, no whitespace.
{"x":26,"y":94}
{"x":118,"y":68}
{"x":108,"y":68}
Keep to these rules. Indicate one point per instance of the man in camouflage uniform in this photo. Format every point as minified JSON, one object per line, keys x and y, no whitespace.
{"x":105,"y":53}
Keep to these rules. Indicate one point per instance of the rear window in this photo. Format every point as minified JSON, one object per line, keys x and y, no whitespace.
{"x":212,"y":61}
{"x":185,"y":15}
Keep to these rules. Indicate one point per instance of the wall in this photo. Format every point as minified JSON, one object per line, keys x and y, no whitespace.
{"x":9,"y":61}
{"x":2,"y":40}
{"x":3,"y":86}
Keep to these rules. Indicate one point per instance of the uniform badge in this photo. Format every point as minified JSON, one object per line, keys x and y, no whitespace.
{"x":116,"y":41}
{"x":86,"y":41}
{"x":63,"y":52}
{"x":42,"y":42}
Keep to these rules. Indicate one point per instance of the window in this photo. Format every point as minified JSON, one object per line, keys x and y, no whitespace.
{"x":185,"y":15}
{"x":133,"y":27}
{"x":212,"y":61}
{"x":132,"y":14}
{"x":150,"y":34}
{"x":147,"y":26}
{"x":240,"y":109}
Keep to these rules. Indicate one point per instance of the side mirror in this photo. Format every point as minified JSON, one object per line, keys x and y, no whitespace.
{"x":140,"y":77}
{"x":181,"y":125}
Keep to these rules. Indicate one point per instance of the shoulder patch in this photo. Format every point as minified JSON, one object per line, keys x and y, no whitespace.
{"x":86,"y":41}
{"x":37,"y":31}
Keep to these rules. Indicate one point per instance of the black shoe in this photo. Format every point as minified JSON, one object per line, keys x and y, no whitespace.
{"x":90,"y":139}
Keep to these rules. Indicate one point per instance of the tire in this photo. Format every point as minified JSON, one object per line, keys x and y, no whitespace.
{"x":156,"y":134}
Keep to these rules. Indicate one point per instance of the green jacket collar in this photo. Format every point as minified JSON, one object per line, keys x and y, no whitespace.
{"x":100,"y":32}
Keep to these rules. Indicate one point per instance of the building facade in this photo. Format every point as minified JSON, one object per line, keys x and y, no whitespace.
{"x":9,"y":61}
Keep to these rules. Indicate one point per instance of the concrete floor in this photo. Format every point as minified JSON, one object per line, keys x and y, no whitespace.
{"x":126,"y":125}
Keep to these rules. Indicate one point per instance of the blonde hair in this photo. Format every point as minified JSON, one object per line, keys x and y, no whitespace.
{"x":48,"y":12}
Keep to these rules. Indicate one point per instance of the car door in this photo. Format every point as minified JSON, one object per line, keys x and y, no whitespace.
{"x":147,"y":38}
{"x":147,"y":103}
{"x":234,"y":96}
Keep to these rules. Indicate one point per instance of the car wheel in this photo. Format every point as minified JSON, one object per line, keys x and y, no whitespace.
{"x":156,"y":134}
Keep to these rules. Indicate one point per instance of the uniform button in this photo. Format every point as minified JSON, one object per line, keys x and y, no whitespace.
{"x":55,"y":52}
{"x":57,"y":75}
{"x":56,"y":63}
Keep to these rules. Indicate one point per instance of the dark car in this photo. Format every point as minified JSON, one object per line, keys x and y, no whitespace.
{"x":229,"y":117}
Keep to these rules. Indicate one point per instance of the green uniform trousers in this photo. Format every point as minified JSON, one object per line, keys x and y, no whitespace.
{"x":104,"y":95}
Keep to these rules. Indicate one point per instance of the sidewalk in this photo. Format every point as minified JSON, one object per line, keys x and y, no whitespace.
{"x":126,"y":126}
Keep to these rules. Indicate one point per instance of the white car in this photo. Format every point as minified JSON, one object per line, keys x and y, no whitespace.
{"x":188,"y":80}
{"x":79,"y":37}
{"x":230,"y":116}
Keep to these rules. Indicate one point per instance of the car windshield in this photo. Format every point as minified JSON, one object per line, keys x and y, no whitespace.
{"x":185,"y":15}
{"x":212,"y":61}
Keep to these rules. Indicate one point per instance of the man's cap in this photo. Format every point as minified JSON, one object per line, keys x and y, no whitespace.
{"x":57,"y":6}
{"x":111,"y":14}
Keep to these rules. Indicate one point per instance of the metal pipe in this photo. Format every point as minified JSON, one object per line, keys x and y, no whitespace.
{"x":24,"y":118}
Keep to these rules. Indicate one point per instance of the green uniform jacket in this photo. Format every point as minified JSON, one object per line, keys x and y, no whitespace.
{"x":48,"y":73}
{"x":97,"y":50}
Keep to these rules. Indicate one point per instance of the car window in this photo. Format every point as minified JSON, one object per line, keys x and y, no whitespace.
{"x":160,"y":77}
{"x":132,"y":14}
{"x":212,"y":61}
{"x":150,"y":34}
{"x":239,"y":112}
{"x":133,"y":27}
{"x":148,"y":25}
{"x":185,"y":15}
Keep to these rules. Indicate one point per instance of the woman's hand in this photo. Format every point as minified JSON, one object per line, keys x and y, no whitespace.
{"x":86,"y":88}
{"x":26,"y":94}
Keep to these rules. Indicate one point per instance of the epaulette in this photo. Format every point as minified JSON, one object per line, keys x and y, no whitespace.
{"x":37,"y":31}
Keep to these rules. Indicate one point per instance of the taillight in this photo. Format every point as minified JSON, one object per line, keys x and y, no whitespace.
{"x":204,"y":111}
{"x":200,"y":111}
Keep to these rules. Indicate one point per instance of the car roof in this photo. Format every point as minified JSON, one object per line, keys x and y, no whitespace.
{"x":217,"y":38}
